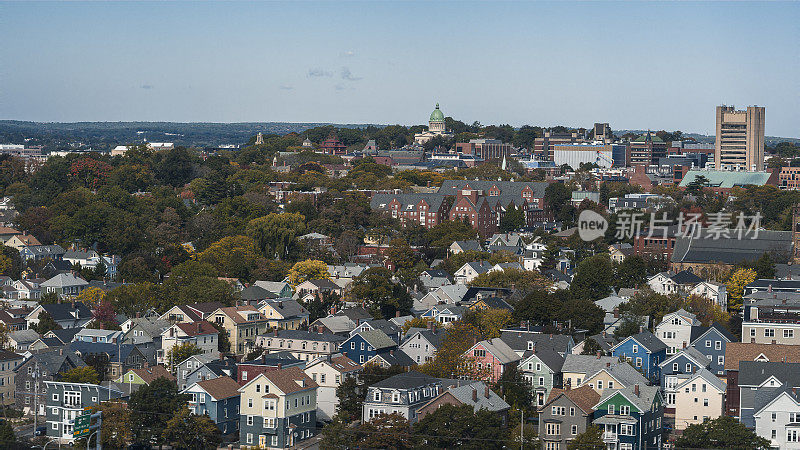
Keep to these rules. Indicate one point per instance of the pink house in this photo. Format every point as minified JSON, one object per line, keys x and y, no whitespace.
{"x":492,"y":357}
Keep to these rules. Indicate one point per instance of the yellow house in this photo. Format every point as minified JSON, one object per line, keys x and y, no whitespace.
{"x":242,"y":324}
{"x":284,"y":314}
{"x":277,"y":409}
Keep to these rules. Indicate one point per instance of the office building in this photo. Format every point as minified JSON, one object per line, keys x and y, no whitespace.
{"x":740,"y":139}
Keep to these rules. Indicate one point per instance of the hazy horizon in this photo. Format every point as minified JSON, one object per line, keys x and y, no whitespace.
{"x":633,"y":65}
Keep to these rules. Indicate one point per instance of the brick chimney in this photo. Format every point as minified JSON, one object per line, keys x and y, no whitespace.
{"x":430,"y":325}
{"x":397,"y":313}
{"x":198,"y":327}
{"x":616,"y":313}
{"x":636,"y":389}
{"x":474,"y":395}
{"x":486,"y":391}
{"x":280,"y":366}
{"x":275,"y":332}
{"x":598,"y":354}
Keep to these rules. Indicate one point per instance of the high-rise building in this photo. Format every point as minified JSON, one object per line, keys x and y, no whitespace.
{"x":740,"y":139}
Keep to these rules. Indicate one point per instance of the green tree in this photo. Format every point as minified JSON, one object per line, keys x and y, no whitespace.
{"x":180,"y":352}
{"x":649,"y":303}
{"x":591,"y":439}
{"x":116,"y":425}
{"x":513,"y":219}
{"x":591,"y":347}
{"x":513,"y":387}
{"x":232,"y":256}
{"x":449,"y":231}
{"x":351,"y":398}
{"x":631,"y":272}
{"x":46,"y":323}
{"x":188,"y":431}
{"x":523,"y":280}
{"x":765,"y":267}
{"x":84,"y":374}
{"x":150,"y":405}
{"x":276,"y":234}
{"x":628,"y":327}
{"x":722,"y":432}
{"x":453,"y":426}
{"x":338,"y":435}
{"x":593,"y":278}
{"x":7,"y":433}
{"x":387,"y":431}
{"x":556,"y":197}
{"x":223,"y":341}
{"x":375,"y":289}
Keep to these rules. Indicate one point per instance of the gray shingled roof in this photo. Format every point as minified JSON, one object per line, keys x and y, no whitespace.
{"x":753,"y":373}
{"x":464,"y":393}
{"x":518,"y":340}
{"x":308,"y":335}
{"x":507,"y":188}
{"x":649,"y":341}
{"x":434,"y":201}
{"x":733,"y":251}
{"x":377,"y":339}
{"x":586,"y":363}
{"x":709,"y":378}
{"x":408,"y":380}
{"x":643,"y":401}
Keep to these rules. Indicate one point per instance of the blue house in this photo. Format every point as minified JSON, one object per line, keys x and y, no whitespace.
{"x":364,"y":345}
{"x":685,"y":362}
{"x":631,"y":418}
{"x":711,"y":342}
{"x":219,"y":398}
{"x":645,"y":351}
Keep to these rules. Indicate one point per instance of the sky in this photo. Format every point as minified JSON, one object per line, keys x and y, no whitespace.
{"x":636,"y":65}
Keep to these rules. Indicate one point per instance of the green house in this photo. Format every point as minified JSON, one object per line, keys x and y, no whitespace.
{"x":631,"y":418}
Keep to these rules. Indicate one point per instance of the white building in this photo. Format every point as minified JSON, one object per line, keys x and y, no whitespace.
{"x":436,"y":127}
{"x":675,"y":330}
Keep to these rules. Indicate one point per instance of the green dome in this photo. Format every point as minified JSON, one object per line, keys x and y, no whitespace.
{"x":436,"y":115}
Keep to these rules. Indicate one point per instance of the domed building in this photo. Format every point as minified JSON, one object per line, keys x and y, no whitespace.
{"x":435,"y":128}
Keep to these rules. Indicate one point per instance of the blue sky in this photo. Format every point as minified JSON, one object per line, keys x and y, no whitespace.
{"x":634,"y":65}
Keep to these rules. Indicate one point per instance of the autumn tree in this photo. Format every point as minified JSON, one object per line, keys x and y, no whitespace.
{"x":83,"y":374}
{"x":310,"y":269}
{"x":104,"y":317}
{"x":488,"y":322}
{"x":45,"y":324}
{"x":188,"y":431}
{"x":276,"y":234}
{"x":450,"y":360}
{"x":706,"y":310}
{"x":523,"y":280}
{"x":735,"y":287}
{"x":420,"y":322}
{"x":232,"y":256}
{"x":116,"y":425}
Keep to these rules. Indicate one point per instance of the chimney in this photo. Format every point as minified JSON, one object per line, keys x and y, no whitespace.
{"x":616,"y":313}
{"x":641,"y":329}
{"x":391,"y":352}
{"x":684,"y":344}
{"x":534,"y":347}
{"x":774,"y":341}
{"x":486,"y":391}
{"x":769,"y":288}
{"x":474,"y":395}
{"x":604,"y":333}
{"x":320,"y":329}
{"x":280,"y":366}
{"x":430,"y":325}
{"x":598,"y":354}
{"x":61,"y":352}
{"x":397,"y":314}
{"x":138,"y":315}
{"x":275,"y":332}
{"x":198,"y":327}
{"x":264,"y":358}
{"x":280,"y":304}
{"x":636,"y":389}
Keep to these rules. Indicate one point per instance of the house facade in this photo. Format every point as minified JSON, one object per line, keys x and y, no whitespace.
{"x":66,"y":401}
{"x":219,"y":399}
{"x":566,"y":414}
{"x":700,"y":397}
{"x":303,"y":345}
{"x":329,"y":373}
{"x":645,"y":351}
{"x":675,"y":330}
{"x":405,"y":394}
{"x":631,"y":418}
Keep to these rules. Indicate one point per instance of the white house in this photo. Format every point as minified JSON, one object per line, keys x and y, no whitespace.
{"x":200,"y":333}
{"x":779,"y":419}
{"x":675,"y":330}
{"x":662,"y":283}
{"x":329,"y":373}
{"x":470,"y":271}
{"x":700,"y":397}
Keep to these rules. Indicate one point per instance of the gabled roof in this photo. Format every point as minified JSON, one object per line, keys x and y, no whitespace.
{"x":25,"y":336}
{"x":255,"y":292}
{"x":341,"y":364}
{"x":198,"y":328}
{"x":397,"y":358}
{"x":518,"y":340}
{"x":647,"y":340}
{"x":732,"y":250}
{"x":287,"y":308}
{"x":735,"y":352}
{"x":609,"y":303}
{"x":586,"y":363}
{"x":495,"y":303}
{"x":51,"y":361}
{"x":337,"y":324}
{"x":220,"y":388}
{"x":63,"y":311}
{"x":753,"y":373}
{"x":306,"y":335}
{"x":377,"y":339}
{"x":584,"y":397}
{"x":499,"y":350}
{"x":272,"y":286}
{"x":6,"y":355}
{"x":434,"y":337}
{"x":150,"y":374}
{"x":708,"y":377}
{"x":686,"y":315}
{"x":643,"y":401}
{"x":692,"y":354}
{"x":699,"y":332}
{"x":464,"y":395}
{"x":406,"y":380}
{"x":115,"y":352}
{"x":355,"y":313}
{"x":64,"y":280}
{"x":768,"y":396}
{"x":288,"y":380}
{"x":686,"y":277}
{"x":548,"y":356}
{"x":625,"y":374}
{"x":468,"y":245}
{"x":153,"y":326}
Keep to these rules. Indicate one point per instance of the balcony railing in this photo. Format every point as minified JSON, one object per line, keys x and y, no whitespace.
{"x":609,"y":436}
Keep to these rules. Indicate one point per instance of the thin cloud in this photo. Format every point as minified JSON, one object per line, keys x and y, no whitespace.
{"x":347,"y":75}
{"x":319,"y":72}
{"x":339,"y":87}
{"x":347,"y":54}
{"x":147,"y":86}
{"x":285,"y":87}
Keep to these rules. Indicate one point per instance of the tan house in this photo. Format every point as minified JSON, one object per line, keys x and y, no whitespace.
{"x":614,"y":377}
{"x":700,"y":397}
{"x":329,"y":373}
{"x":18,"y":241}
{"x":577,"y":367}
{"x":242,"y":324}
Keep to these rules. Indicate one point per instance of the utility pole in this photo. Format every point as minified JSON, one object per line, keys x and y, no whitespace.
{"x":35,"y":396}
{"x":521,"y":429}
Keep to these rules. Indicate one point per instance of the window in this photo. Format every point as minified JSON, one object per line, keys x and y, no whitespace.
{"x":769,"y":332}
{"x":718,"y":345}
{"x":708,"y":344}
{"x":624,"y":410}
{"x":553,"y":429}
{"x":705,"y":402}
{"x":774,"y":417}
{"x":674,"y":367}
{"x":572,"y":411}
{"x":635,"y":348}
{"x":377,"y":396}
{"x":250,"y":420}
{"x":721,"y":359}
{"x":479,"y":353}
{"x":774,"y":434}
{"x":610,"y":384}
{"x":792,"y":435}
{"x":352,"y":346}
{"x":688,"y":368}
{"x":752,"y":332}
{"x":244,"y":376}
{"x":55,"y":397}
{"x":599,"y":384}
{"x":558,"y":410}
{"x":249,"y":402}
{"x":541,"y":381}
{"x":249,"y":438}
{"x":611,"y":409}
{"x":574,"y":430}
{"x":638,"y":362}
{"x":269,"y":422}
{"x":788,"y":334}
{"x":395,"y":397}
